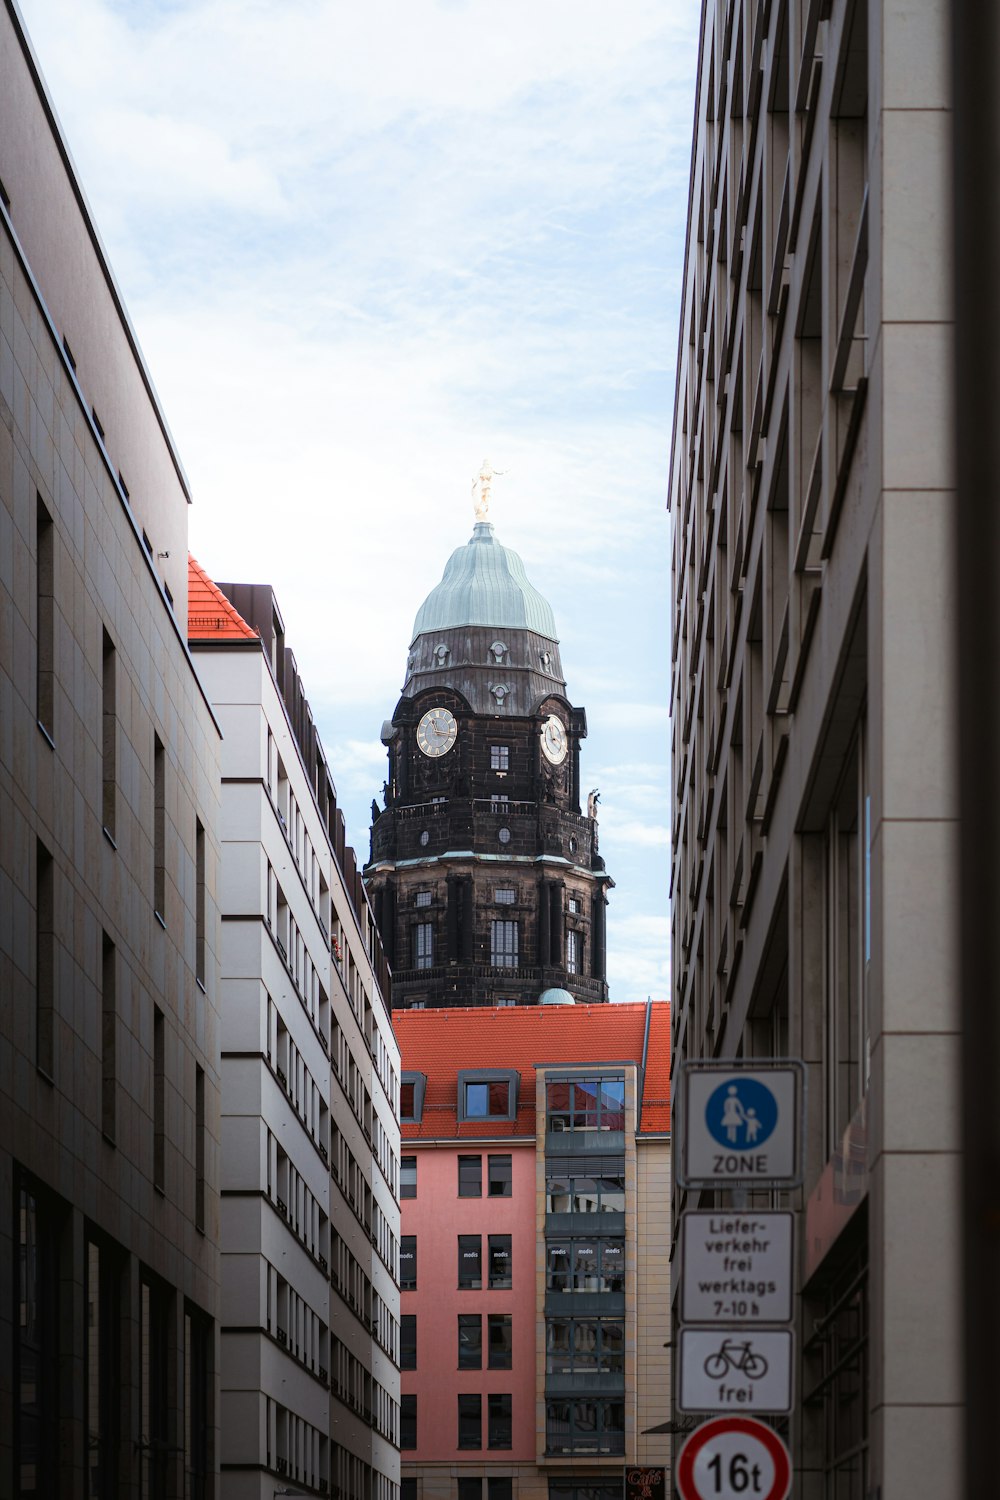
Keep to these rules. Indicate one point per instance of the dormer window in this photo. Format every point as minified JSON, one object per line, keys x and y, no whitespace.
{"x":488,"y":1094}
{"x":411,"y":1097}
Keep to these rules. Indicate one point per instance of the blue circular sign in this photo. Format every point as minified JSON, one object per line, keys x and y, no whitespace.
{"x":741,"y":1113}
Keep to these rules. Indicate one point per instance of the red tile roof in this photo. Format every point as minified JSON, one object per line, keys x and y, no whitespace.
{"x":211,"y":617}
{"x":443,"y":1043}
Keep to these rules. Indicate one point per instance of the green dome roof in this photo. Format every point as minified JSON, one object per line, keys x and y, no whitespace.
{"x":485,"y":584}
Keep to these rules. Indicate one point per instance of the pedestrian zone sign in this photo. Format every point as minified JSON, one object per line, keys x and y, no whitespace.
{"x":733,"y":1458}
{"x":741,"y":1124}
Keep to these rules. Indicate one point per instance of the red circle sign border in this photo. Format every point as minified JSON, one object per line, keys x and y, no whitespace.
{"x":752,"y":1428}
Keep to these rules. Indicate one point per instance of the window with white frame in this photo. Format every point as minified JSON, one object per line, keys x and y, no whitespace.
{"x":572,"y":952}
{"x":423,"y":945}
{"x":499,"y":757}
{"x":505,"y":896}
{"x":504,"y":944}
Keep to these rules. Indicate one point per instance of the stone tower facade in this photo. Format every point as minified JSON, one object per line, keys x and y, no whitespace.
{"x":485,"y":874}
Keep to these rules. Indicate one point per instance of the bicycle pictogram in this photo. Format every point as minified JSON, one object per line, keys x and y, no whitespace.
{"x":739,"y":1357}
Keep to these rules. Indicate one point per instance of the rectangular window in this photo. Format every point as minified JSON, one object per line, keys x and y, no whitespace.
{"x":470,"y":1262}
{"x":101,"y":1372}
{"x":504,"y":944}
{"x":201,"y":898}
{"x":153,"y":1388}
{"x":501,"y":1341}
{"x":499,"y":757}
{"x":36,"y":1271}
{"x":406,"y":1101}
{"x":423,"y":945}
{"x":470,"y":1341}
{"x":487,"y":1100}
{"x":500,"y":1261}
{"x":407,"y":1489}
{"x":470,"y":1488}
{"x":470,"y":1176}
{"x":423,"y":898}
{"x":585,"y":1426}
{"x":499,"y":1421}
{"x":572,"y":953}
{"x":408,"y":1176}
{"x":45,"y":960}
{"x":584,"y":1346}
{"x":109,"y":1038}
{"x":408,"y":1341}
{"x":498,"y":801}
{"x":199,"y":1127}
{"x":109,"y":734}
{"x":586,"y":1265}
{"x":574,"y":1188}
{"x":499,"y":1488}
{"x":586,"y":1103}
{"x":505,"y":895}
{"x":470,"y":1421}
{"x":500,"y":1176}
{"x":407,"y":1421}
{"x":197,"y":1334}
{"x":574,"y":906}
{"x":159,"y":1100}
{"x":45,"y":619}
{"x":408,"y":1263}
{"x":159,"y":828}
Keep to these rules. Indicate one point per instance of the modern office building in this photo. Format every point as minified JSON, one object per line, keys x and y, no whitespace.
{"x":814,"y":849}
{"x":310,"y":1082}
{"x":535,"y":1263}
{"x":485,"y":874}
{"x":109,"y":792}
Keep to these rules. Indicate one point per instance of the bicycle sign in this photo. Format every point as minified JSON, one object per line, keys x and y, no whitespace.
{"x":733,"y":1458}
{"x":735,"y":1369}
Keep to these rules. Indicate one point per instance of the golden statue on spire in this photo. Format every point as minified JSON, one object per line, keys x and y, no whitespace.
{"x":481,"y":486}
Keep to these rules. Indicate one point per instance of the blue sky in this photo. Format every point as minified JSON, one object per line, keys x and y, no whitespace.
{"x":366,"y":244}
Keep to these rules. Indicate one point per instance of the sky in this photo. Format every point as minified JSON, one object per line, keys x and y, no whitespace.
{"x":366,"y":244}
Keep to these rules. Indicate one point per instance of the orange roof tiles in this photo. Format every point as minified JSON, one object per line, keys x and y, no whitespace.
{"x":443,"y":1043}
{"x":211,"y":617}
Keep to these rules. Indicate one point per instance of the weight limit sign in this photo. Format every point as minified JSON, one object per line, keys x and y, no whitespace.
{"x":734,"y":1458}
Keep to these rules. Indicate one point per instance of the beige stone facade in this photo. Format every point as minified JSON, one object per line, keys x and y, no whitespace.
{"x":109,"y":787}
{"x":814,"y":778}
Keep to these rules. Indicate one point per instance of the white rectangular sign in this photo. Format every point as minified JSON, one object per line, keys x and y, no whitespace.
{"x":735,"y":1369}
{"x":741,"y":1124}
{"x":736,"y":1266}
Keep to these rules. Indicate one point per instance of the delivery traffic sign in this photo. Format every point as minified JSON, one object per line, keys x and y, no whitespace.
{"x":734,"y":1458}
{"x":736,"y":1266}
{"x":741,"y":1124}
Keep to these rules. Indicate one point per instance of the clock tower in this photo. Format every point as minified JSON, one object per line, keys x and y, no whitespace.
{"x":485,"y":876}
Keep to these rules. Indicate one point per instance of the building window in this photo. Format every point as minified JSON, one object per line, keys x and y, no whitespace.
{"x":37,"y":1314}
{"x":423,"y":898}
{"x":499,"y":1487}
{"x":470,"y":1488}
{"x":159,"y":828}
{"x":408,"y":1341}
{"x":109,"y":1038}
{"x":584,"y":1346}
{"x":504,"y":944}
{"x":154,"y":1315}
{"x":572,"y":952}
{"x":505,"y":896}
{"x":109,"y":734}
{"x":407,"y":1421}
{"x":470,"y":1421}
{"x":470,"y":1176}
{"x":197,"y":1337}
{"x":499,"y":1176}
{"x":201,"y":899}
{"x":199,"y":1148}
{"x":585,"y":1426}
{"x":425,"y":838}
{"x":498,"y":801}
{"x":585,"y":1265}
{"x":407,"y":1176}
{"x":586,"y":1103}
{"x":423,"y":945}
{"x":500,"y":1261}
{"x":408,"y":1263}
{"x":499,"y":757}
{"x":499,"y":1422}
{"x":45,"y":960}
{"x":45,"y":618}
{"x":503,"y":834}
{"x":576,"y":1187}
{"x":588,"y":1489}
{"x":412,"y":1088}
{"x":485,"y":1101}
{"x":501,"y":1341}
{"x":407,"y":1489}
{"x":159,"y":1100}
{"x":470,"y":1262}
{"x":470,"y":1341}
{"x":574,"y":906}
{"x":837,"y":1361}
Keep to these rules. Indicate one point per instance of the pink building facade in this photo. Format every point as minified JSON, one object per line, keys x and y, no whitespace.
{"x":535,"y":1250}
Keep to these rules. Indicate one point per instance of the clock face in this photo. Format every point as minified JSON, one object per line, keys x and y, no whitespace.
{"x":437,"y":732}
{"x":554,"y":744}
